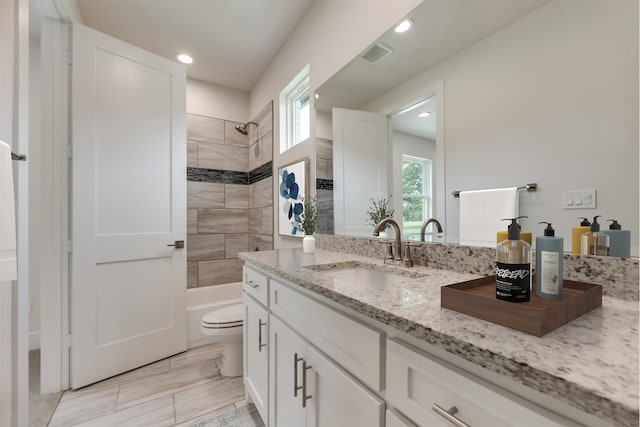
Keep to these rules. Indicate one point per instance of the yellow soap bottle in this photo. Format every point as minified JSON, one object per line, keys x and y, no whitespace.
{"x":524,"y":235}
{"x":576,"y":235}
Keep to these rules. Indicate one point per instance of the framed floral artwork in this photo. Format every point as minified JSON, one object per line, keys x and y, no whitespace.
{"x":292,"y":186}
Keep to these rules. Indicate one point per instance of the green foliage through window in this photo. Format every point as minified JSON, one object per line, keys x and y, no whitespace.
{"x":416,"y":189}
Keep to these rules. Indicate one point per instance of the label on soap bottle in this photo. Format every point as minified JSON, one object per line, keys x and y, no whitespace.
{"x":513,"y":282}
{"x":549,"y":268}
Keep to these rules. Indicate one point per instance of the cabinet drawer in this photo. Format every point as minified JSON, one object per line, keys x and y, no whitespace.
{"x":416,"y":382}
{"x":351,"y":344}
{"x":256,"y":284}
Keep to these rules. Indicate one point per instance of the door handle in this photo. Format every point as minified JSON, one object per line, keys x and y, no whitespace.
{"x":260,"y":325}
{"x":305,"y":397}
{"x":449,"y":415}
{"x":296,"y":359}
{"x":178,"y":244}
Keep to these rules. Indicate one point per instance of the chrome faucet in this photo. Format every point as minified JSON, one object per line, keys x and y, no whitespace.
{"x":426,"y":224}
{"x":381,"y":226}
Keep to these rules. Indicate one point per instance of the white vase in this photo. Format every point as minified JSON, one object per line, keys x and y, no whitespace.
{"x":308,"y":244}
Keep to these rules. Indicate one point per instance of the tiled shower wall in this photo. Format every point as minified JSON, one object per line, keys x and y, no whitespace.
{"x":229,"y":196}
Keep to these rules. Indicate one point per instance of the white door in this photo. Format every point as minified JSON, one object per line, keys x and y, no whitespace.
{"x":361,"y":156}
{"x":128,"y":287}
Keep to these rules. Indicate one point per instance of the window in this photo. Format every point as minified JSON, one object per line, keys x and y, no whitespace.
{"x":295,"y":111}
{"x":416,"y":197}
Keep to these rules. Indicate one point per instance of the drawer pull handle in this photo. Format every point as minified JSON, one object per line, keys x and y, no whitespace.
{"x":449,"y":415}
{"x":305,"y":397}
{"x":252,"y":284}
{"x":260,"y":325}
{"x":296,"y":359}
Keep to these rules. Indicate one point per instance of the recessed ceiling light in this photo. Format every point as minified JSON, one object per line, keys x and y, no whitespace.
{"x":404,"y":26}
{"x":184,"y":58}
{"x":317,"y":96}
{"x":424,"y":114}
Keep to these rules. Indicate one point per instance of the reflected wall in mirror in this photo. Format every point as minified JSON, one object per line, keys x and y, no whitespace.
{"x":535,"y":91}
{"x":413,"y":167}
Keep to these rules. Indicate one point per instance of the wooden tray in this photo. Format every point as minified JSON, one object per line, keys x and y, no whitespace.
{"x":537,"y":317}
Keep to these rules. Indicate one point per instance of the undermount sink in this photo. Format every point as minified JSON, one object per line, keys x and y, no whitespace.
{"x":355,"y":271}
{"x":356,"y":276}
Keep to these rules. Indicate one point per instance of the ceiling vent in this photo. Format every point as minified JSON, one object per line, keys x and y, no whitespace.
{"x":377,"y":52}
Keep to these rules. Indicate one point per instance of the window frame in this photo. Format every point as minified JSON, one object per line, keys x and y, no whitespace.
{"x":291,"y":110}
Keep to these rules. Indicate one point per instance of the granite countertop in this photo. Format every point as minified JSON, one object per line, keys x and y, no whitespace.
{"x":590,"y":363}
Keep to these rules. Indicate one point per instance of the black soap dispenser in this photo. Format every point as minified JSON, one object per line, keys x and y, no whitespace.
{"x":513,"y":266}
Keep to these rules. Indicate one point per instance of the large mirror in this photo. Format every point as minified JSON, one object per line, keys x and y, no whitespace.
{"x":518,"y":91}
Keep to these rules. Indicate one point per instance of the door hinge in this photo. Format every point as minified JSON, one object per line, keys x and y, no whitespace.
{"x":68,"y":151}
{"x":68,"y":340}
{"x":68,"y":246}
{"x":68,"y":57}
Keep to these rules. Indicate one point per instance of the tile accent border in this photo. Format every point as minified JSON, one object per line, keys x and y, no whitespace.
{"x":217,"y":176}
{"x":324,"y":184}
{"x":261,"y":172}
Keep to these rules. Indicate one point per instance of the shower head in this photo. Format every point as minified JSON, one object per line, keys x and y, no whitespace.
{"x":242,"y":127}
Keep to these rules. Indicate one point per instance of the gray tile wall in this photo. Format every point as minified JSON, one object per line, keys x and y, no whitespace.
{"x":226,"y":218}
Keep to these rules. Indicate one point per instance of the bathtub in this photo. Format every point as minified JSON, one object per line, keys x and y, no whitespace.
{"x":201,"y":301}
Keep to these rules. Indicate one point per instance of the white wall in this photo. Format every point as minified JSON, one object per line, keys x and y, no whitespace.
{"x":551,"y":99}
{"x":216,"y":101}
{"x":324,"y":125}
{"x":330,"y":34}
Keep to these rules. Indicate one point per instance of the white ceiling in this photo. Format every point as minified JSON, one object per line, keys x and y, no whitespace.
{"x":231,"y":41}
{"x":442,"y":28}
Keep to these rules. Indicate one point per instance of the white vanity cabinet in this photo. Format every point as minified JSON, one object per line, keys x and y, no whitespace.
{"x":432,"y":393}
{"x":308,"y":389}
{"x":328,"y":367}
{"x":256,"y":340}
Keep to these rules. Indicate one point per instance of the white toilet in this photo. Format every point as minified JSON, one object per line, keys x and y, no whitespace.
{"x":225,"y":326}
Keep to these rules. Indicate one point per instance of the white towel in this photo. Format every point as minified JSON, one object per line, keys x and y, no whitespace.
{"x":481,"y":213}
{"x":8,"y":264}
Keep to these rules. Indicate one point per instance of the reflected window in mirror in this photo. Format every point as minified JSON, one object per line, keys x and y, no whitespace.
{"x":417,"y":204}
{"x":295,"y":108}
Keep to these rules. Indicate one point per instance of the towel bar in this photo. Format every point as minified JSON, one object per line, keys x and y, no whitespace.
{"x":528,"y":187}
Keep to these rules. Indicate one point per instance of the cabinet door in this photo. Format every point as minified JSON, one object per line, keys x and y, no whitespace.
{"x":256,"y":354}
{"x":336,"y":399}
{"x":286,"y":358}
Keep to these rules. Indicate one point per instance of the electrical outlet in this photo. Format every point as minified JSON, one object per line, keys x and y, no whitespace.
{"x":579,"y":199}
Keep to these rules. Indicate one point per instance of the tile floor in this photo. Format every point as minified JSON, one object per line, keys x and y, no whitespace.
{"x":178,"y":391}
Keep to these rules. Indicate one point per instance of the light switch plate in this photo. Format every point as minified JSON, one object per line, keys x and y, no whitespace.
{"x":579,"y":199}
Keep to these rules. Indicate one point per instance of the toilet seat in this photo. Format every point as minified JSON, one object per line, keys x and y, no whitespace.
{"x":224,"y":318}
